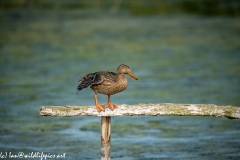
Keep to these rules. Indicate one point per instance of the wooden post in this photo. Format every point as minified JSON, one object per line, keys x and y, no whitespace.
{"x":105,"y":138}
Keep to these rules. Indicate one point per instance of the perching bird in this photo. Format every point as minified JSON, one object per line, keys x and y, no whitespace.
{"x":107,"y":83}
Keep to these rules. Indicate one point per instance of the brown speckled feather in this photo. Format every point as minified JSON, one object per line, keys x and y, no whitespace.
{"x":108,"y":83}
{"x":112,"y":84}
{"x":104,"y":82}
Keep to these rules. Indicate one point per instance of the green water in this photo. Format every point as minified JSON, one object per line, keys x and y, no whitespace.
{"x":177,"y":58}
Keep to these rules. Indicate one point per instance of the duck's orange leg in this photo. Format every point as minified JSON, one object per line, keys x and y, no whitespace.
{"x":99,"y":107}
{"x":110,"y":105}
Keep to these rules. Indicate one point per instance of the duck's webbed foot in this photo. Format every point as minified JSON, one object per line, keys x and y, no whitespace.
{"x":111,"y":106}
{"x":100,"y":107}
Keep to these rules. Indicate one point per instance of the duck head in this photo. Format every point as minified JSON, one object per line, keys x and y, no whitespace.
{"x":124,"y":69}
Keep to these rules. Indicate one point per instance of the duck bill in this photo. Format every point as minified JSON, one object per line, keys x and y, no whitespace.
{"x":132,"y":76}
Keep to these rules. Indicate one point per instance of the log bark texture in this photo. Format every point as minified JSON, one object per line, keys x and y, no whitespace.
{"x":165,"y":109}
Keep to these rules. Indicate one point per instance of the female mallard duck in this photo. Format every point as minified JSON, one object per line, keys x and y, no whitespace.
{"x":107,"y":83}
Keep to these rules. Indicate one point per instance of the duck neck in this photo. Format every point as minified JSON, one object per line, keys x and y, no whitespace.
{"x":120,"y":76}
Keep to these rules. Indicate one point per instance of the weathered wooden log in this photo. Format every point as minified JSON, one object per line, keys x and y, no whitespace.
{"x":165,"y":109}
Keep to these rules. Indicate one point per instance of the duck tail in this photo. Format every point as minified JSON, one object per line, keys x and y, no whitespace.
{"x":85,"y":81}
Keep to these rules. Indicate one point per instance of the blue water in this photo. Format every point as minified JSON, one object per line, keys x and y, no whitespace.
{"x":177,"y":58}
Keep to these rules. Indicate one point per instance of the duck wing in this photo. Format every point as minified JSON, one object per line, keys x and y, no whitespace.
{"x":90,"y":79}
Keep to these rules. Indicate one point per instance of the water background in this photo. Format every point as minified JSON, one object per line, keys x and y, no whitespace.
{"x":178,"y":58}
